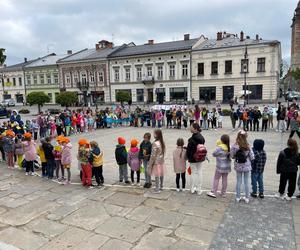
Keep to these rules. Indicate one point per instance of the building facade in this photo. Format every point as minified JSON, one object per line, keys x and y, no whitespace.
{"x":220,"y":68}
{"x":43,"y":75}
{"x":153,"y":72}
{"x":295,"y":48}
{"x":87,"y":73}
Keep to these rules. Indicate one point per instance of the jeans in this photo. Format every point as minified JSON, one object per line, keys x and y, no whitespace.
{"x":242,"y":177}
{"x":205,"y":126}
{"x":182,"y":175}
{"x":159,"y":181}
{"x":257,"y":178}
{"x":147,"y":176}
{"x":281,"y":125}
{"x":196,"y":176}
{"x":44,"y":169}
{"x":50,"y":167}
{"x":123,"y":172}
{"x":217,"y":178}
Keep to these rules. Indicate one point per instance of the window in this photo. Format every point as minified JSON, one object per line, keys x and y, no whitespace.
{"x":200,"y":69}
{"x":14,"y":81}
{"x":172,"y":71}
{"x":28,"y":79}
{"x":92,"y":77}
{"x":207,"y":94}
{"x":83,"y":78}
{"x":42,"y":79}
{"x":184,"y":70}
{"x":138,"y":73}
{"x":49,"y":79}
{"x":244,"y":66}
{"x":56,"y":94}
{"x":20,"y":81}
{"x":160,"y":72}
{"x":50,"y":96}
{"x":228,"y":67}
{"x":75,"y":76}
{"x":117,"y":75}
{"x":256,"y":91}
{"x":149,"y":71}
{"x":101,"y":76}
{"x":261,"y":64}
{"x":127,"y":74}
{"x":68,"y":79}
{"x":34,"y":79}
{"x":177,"y":94}
{"x":140,"y":95}
{"x":55,"y":76}
{"x":214,"y":68}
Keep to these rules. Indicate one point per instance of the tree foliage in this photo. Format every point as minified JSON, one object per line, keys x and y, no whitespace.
{"x":296,"y":74}
{"x":2,"y":56}
{"x":67,"y":98}
{"x":123,"y":96}
{"x":37,"y":98}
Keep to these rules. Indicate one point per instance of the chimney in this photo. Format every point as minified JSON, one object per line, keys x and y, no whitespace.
{"x":25,"y":59}
{"x":150,"y":42}
{"x":242,"y":36}
{"x":219,"y":36}
{"x":110,"y":45}
{"x":257,"y":37}
{"x":97,"y":46}
{"x":69,"y":52}
{"x":186,"y":37}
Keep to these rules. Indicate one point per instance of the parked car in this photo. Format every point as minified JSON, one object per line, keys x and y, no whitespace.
{"x":4,"y":112}
{"x":9,"y":102}
{"x":290,"y":95}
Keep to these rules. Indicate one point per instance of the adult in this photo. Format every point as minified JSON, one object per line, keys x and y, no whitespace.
{"x":15,"y":117}
{"x":197,"y":114}
{"x":287,"y":166}
{"x":196,"y":167}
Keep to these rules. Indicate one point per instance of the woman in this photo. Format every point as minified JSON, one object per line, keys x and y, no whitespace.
{"x":29,"y":153}
{"x":156,"y":163}
{"x":242,"y":155}
{"x":196,"y":166}
{"x":287,"y":166}
{"x":197,"y":114}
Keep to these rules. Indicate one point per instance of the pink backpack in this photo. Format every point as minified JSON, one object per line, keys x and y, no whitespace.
{"x":200,"y":154}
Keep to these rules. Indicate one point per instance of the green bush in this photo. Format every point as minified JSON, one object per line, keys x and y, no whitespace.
{"x":24,"y":111}
{"x":226,"y":112}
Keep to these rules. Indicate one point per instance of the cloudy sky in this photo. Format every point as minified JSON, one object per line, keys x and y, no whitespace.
{"x":31,"y":28}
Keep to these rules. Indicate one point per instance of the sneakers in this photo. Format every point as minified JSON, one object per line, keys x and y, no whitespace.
{"x":32,"y":174}
{"x":237,"y":200}
{"x":132,"y":184}
{"x":211,"y":194}
{"x":127,"y":182}
{"x":261,"y":195}
{"x":254,"y":195}
{"x":26,"y":173}
{"x":193,"y":190}
{"x":67,"y":183}
{"x":156,"y":191}
{"x":246,"y":200}
{"x":279,"y":196}
{"x":178,"y":190}
{"x":288,"y":198}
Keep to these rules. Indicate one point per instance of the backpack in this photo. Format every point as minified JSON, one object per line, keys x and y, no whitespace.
{"x":121,"y":157}
{"x":200,"y":154}
{"x":240,"y":156}
{"x":97,"y":159}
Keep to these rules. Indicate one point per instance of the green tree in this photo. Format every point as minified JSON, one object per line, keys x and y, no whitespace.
{"x":66,"y":98}
{"x":123,"y":96}
{"x":2,"y":56}
{"x":37,"y":98}
{"x":296,"y":74}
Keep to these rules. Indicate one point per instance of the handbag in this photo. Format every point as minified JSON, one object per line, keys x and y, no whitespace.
{"x":189,"y":170}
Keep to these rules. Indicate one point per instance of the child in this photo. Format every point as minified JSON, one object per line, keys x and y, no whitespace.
{"x":243,"y":155}
{"x":223,"y":166}
{"x":41,"y":153}
{"x":96,"y":160}
{"x":133,"y":161}
{"x":48,"y":150}
{"x":179,"y":160}
{"x":144,"y":156}
{"x":9,"y":147}
{"x":258,"y":165}
{"x":66,"y":157}
{"x":57,"y":158}
{"x":29,"y":152}
{"x":35,"y":129}
{"x":83,"y":158}
{"x":19,"y":151}
{"x":121,"y":158}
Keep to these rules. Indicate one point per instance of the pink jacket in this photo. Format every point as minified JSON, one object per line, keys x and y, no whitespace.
{"x":29,"y":150}
{"x":66,"y":157}
{"x":179,"y":161}
{"x":133,"y":159}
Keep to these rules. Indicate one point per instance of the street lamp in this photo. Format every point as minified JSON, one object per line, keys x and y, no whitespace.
{"x":245,"y":70}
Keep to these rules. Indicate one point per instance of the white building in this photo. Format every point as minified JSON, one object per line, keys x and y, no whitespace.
{"x":219,"y":68}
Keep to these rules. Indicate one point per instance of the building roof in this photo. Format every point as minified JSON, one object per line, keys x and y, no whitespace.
{"x":48,"y":60}
{"x":231,"y":42}
{"x":16,"y":67}
{"x":89,"y":54}
{"x":154,"y":48}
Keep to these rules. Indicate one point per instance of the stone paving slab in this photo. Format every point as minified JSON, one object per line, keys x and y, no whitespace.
{"x":116,"y":244}
{"x":164,"y":219}
{"x":126,"y":199}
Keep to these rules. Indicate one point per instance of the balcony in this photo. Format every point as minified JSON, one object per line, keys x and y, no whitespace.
{"x":83,"y":86}
{"x":148,"y":80}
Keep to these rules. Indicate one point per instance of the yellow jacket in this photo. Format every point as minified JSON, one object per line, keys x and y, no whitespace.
{"x":41,"y":153}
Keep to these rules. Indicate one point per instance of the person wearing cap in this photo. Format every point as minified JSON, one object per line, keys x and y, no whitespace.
{"x":66,"y":157}
{"x":29,"y":153}
{"x":83,"y":158}
{"x":133,"y":161}
{"x":9,"y":147}
{"x":57,"y":157}
{"x":121,"y":158}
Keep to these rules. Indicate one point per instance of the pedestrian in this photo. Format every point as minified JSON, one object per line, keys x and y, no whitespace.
{"x":48,"y":150}
{"x":258,"y":166}
{"x":179,"y":162}
{"x":233,"y":117}
{"x":287,"y":166}
{"x":196,"y":155}
{"x":223,"y":166}
{"x":121,"y":159}
{"x":57,"y":157}
{"x":156,"y":163}
{"x":41,"y":154}
{"x":295,"y":125}
{"x":66,"y":158}
{"x":9,"y":147}
{"x":19,"y":151}
{"x":83,"y":158}
{"x":96,"y":160}
{"x":144,"y":156}
{"x":29,"y":153}
{"x":134,"y":162}
{"x":242,"y":155}
{"x":265,"y":119}
{"x":256,"y":117}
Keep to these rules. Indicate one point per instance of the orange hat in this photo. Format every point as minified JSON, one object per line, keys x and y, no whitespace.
{"x":65,"y":139}
{"x":27,"y":135}
{"x":83,"y":142}
{"x":121,"y":141}
{"x":59,"y":138}
{"x":134,"y":142}
{"x":10,"y":133}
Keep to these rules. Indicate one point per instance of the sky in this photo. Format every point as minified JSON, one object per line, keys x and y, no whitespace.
{"x":32,"y":28}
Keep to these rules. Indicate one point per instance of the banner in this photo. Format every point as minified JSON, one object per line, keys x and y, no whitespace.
{"x":168,"y":107}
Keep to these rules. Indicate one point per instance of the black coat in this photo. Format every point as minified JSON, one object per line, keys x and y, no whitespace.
{"x":193,"y":142}
{"x":287,"y":162}
{"x":48,"y":150}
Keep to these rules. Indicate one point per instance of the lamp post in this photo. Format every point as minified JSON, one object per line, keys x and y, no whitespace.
{"x":84,"y":86}
{"x":245,"y":69}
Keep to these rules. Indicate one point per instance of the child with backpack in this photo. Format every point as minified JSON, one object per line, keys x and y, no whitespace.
{"x":133,"y":161}
{"x":66,"y":158}
{"x":179,"y":161}
{"x":223,"y":167}
{"x":258,"y":165}
{"x":242,"y":155}
{"x":144,"y":156}
{"x":96,"y":160}
{"x":121,"y":158}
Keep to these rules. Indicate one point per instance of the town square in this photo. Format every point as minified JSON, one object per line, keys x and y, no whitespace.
{"x":142,"y":130}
